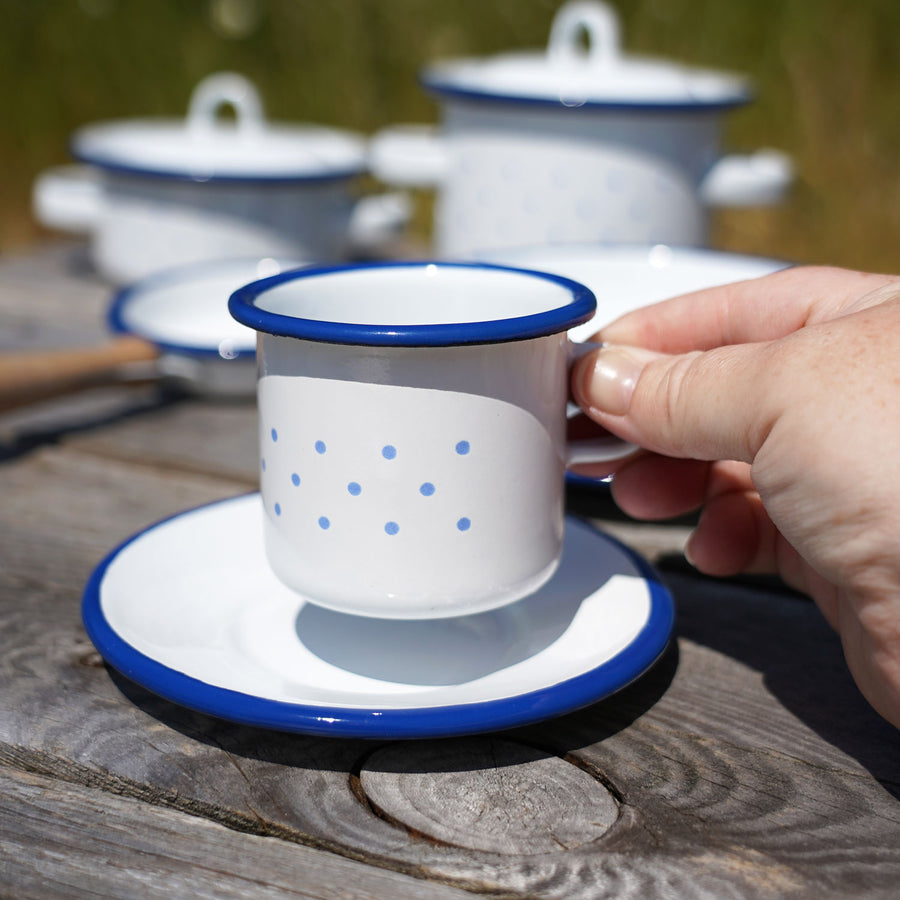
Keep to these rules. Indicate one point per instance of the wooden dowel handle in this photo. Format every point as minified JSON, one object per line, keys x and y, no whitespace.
{"x":29,"y":376}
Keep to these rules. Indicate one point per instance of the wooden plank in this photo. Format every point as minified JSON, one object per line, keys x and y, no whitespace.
{"x":191,"y":435}
{"x":62,"y":840}
{"x":734,"y":773}
{"x":51,"y":298}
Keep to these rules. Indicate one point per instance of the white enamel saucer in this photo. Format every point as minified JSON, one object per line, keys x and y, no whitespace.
{"x":190,"y":610}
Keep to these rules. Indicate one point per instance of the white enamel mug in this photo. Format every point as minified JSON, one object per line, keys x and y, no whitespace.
{"x":412,"y":431}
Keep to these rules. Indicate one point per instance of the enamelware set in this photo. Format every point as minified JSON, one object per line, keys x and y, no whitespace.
{"x":407,"y":568}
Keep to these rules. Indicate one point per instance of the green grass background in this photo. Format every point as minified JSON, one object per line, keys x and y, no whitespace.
{"x":827,"y":76}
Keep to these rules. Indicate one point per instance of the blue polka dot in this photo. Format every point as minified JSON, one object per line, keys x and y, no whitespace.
{"x":320,"y":447}
{"x":427,"y":489}
{"x":274,"y":435}
{"x":389,"y":451}
{"x":324,"y":524}
{"x":277,"y":509}
{"x":354,"y":488}
{"x":295,"y":479}
{"x":462,"y":448}
{"x":391,"y":527}
{"x":464,"y":524}
{"x":263,"y":463}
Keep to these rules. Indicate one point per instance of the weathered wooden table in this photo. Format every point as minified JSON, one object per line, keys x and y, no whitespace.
{"x":744,"y":764}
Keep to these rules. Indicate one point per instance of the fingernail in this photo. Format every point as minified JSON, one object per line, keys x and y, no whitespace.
{"x":607,"y":380}
{"x":688,"y":550}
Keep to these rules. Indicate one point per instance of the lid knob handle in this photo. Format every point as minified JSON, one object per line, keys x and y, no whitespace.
{"x":225,"y":89}
{"x":600,"y":24}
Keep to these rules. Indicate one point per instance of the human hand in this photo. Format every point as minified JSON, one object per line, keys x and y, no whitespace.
{"x":773,"y":405}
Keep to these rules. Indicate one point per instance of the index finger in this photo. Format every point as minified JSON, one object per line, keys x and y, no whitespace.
{"x":760,"y":309}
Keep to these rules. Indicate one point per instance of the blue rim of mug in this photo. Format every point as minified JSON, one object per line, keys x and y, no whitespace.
{"x":628,"y":664}
{"x":243,"y":306}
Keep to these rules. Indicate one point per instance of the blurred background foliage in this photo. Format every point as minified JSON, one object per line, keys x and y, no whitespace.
{"x":826,"y":72}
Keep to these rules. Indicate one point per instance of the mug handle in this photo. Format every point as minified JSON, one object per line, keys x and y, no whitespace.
{"x":600,"y":449}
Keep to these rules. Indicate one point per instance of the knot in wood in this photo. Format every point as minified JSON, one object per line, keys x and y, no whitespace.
{"x":488,"y":794}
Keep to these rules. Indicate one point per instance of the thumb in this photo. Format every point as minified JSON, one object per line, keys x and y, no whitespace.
{"x":703,"y":405}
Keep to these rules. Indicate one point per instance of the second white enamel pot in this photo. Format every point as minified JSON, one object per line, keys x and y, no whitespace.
{"x":573,"y":145}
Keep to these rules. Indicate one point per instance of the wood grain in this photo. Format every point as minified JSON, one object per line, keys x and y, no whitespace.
{"x":734,"y":775}
{"x":52,"y":298}
{"x":64,"y":840}
{"x":488,"y":794}
{"x":210,"y":438}
{"x":744,"y":765}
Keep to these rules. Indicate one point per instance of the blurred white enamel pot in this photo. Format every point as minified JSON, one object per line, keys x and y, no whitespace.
{"x":412,"y":432}
{"x":570,"y":146}
{"x":157,"y":193}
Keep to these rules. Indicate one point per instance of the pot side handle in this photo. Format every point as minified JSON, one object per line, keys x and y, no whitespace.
{"x":68,"y":198}
{"x":378,"y":218}
{"x":757,"y":179}
{"x":408,"y":156}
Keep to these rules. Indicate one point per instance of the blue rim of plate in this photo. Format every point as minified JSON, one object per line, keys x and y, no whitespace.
{"x":384,"y":723}
{"x":116,"y":318}
{"x":243,"y":306}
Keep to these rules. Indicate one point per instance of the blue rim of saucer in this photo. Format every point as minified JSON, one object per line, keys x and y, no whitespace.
{"x":548,"y":702}
{"x":243,"y":306}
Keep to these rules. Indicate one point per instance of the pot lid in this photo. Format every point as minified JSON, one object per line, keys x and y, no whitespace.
{"x":599,"y":76}
{"x":203,"y":148}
